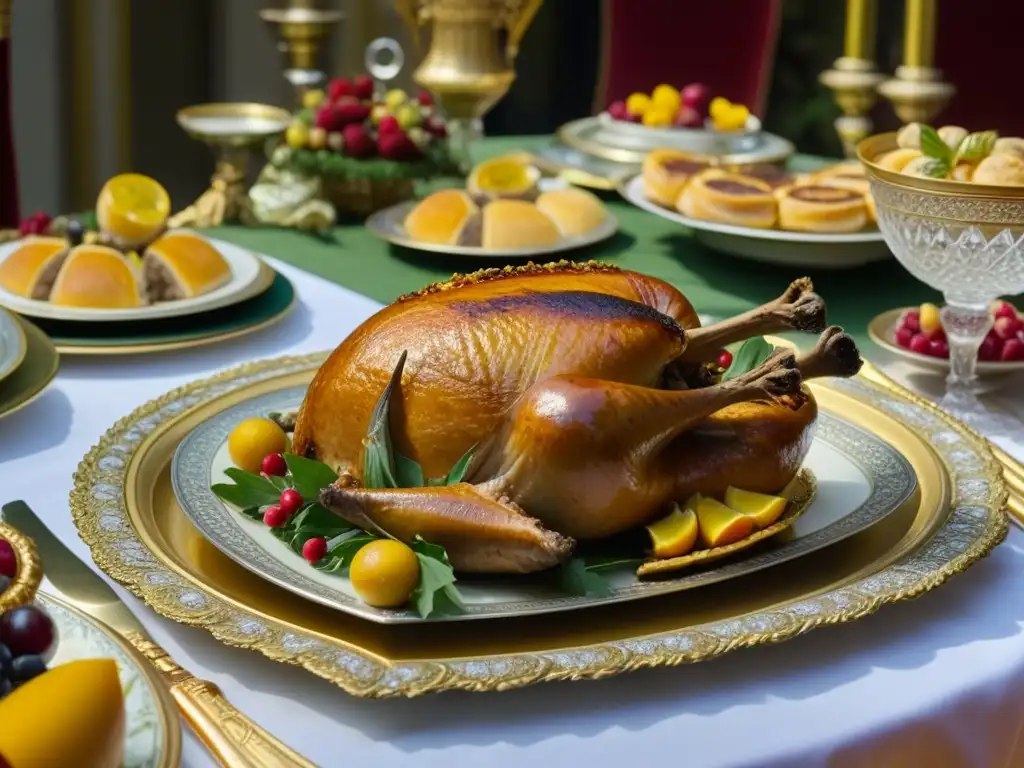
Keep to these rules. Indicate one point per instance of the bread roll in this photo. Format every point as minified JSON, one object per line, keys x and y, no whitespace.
{"x":517,"y":224}
{"x":98,"y":277}
{"x":440,"y":217}
{"x":29,"y":271}
{"x":182,"y":265}
{"x":574,"y":211}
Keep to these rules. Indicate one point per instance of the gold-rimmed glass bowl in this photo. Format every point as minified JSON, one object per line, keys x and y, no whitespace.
{"x":22,"y":590}
{"x":965,"y":240}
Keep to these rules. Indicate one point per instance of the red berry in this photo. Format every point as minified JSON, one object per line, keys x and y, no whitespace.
{"x":340,"y":86}
{"x":314,"y":549}
{"x":687,"y":117}
{"x":1007,"y":327}
{"x":920,"y":344}
{"x":903,"y":337}
{"x":357,"y":142}
{"x":435,"y":125}
{"x":724,"y":359}
{"x":363,"y":86}
{"x":911,"y":319}
{"x":617,"y":110}
{"x":1013,"y":350}
{"x":989,"y":349}
{"x":274,"y":464}
{"x":349,"y":112}
{"x":388,"y":124}
{"x":8,"y":560}
{"x":275,"y":517}
{"x":397,"y":146}
{"x":939,"y":348}
{"x":324,"y":117}
{"x":1005,"y":309}
{"x":695,"y":96}
{"x":425,"y":99}
{"x":291,"y":500}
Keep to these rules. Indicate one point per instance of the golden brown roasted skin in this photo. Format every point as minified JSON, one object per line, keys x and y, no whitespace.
{"x":476,"y":344}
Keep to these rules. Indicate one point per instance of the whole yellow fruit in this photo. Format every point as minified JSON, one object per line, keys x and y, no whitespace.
{"x":253,"y":439}
{"x":638,"y":104}
{"x":656,"y":117}
{"x":384,"y":573}
{"x":395,"y":98}
{"x":312,"y":99}
{"x":667,"y":98}
{"x":377,"y":112}
{"x":317,"y":138}
{"x":297,"y":135}
{"x":408,"y":116}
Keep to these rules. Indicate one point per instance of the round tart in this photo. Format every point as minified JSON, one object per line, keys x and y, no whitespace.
{"x":31,"y":269}
{"x":182,"y":265}
{"x":666,"y":172}
{"x":729,"y":198}
{"x":820,"y":208}
{"x":98,"y":277}
{"x":440,"y":217}
{"x":574,"y":211}
{"x":775,"y":176}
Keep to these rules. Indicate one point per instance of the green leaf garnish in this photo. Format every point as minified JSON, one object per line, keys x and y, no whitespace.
{"x":248,"y":491}
{"x":605,"y":564}
{"x":576,"y":579}
{"x":933,"y":146}
{"x":378,"y":455}
{"x":751,"y":354}
{"x":408,"y":473}
{"x":340,"y":553}
{"x":436,"y":593}
{"x":457,"y":472}
{"x":934,"y":169}
{"x":976,"y":146}
{"x":309,"y":477}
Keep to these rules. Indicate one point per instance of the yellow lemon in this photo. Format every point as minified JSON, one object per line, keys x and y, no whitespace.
{"x":384,"y":573}
{"x":133,"y":209}
{"x":507,"y":175}
{"x":395,"y":98}
{"x":253,"y":439}
{"x":312,"y":99}
{"x":765,"y":509}
{"x":718,"y":107}
{"x":656,"y":117}
{"x":638,"y":104}
{"x":667,"y":98}
{"x":408,"y":116}
{"x":297,"y":135}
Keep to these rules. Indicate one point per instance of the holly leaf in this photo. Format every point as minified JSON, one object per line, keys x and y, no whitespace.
{"x":457,"y":472}
{"x":576,"y":579}
{"x":436,"y":593}
{"x":751,"y":354}
{"x":248,"y":490}
{"x":933,"y":146}
{"x":408,"y":473}
{"x":308,"y":476}
{"x":340,"y":552}
{"x":378,"y":455}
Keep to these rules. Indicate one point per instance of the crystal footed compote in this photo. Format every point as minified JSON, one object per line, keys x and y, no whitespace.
{"x":966,"y":240}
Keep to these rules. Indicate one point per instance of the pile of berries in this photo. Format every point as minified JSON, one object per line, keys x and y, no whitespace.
{"x":36,"y":224}
{"x":347,"y":118}
{"x":686,"y":107}
{"x":278,"y":515}
{"x":27,"y":634}
{"x":920,"y":330}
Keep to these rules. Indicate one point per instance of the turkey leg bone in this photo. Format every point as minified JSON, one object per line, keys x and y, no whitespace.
{"x":835,"y":354}
{"x":798,"y":309}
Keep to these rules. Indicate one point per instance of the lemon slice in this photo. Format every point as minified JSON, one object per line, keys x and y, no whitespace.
{"x":133,"y":209}
{"x":675,"y":534}
{"x":503,"y":176}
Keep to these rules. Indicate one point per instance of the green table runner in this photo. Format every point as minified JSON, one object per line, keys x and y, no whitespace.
{"x":716,"y":284}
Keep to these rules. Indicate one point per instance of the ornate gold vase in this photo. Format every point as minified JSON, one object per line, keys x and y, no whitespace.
{"x":467,"y":68}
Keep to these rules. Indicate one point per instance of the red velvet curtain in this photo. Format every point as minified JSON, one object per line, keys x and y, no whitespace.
{"x":8,"y":175}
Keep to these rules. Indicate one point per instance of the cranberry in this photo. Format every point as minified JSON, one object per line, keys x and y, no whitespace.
{"x":425,"y":99}
{"x":339,"y":87}
{"x":989,"y":349}
{"x":724,"y":359}
{"x":27,"y":630}
{"x":695,"y":95}
{"x":920,"y":344}
{"x":938,"y":348}
{"x":687,"y":117}
{"x":291,"y":500}
{"x":315,"y":549}
{"x":388,"y":124}
{"x":1013,"y":350}
{"x":1007,"y":327}
{"x":275,"y":517}
{"x":1005,"y":309}
{"x":911,"y":319}
{"x":904,"y":336}
{"x":274,"y":465}
{"x":8,"y":560}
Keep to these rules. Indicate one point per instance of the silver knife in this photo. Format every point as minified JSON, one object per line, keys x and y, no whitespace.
{"x":232,"y":738}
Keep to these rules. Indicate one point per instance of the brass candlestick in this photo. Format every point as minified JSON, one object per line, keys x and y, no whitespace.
{"x":918,"y":92}
{"x":853,"y":78}
{"x":302,"y":27}
{"x":466,"y":68}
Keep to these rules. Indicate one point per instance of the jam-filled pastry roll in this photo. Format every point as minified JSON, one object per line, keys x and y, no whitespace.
{"x":824,"y":209}
{"x":729,"y":198}
{"x":775,"y":176}
{"x":666,"y":172}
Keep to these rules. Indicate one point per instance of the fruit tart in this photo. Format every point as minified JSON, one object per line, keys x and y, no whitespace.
{"x":717,"y":195}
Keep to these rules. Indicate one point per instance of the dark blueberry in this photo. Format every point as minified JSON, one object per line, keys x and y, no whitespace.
{"x":75,"y":232}
{"x":6,"y":686}
{"x":6,"y":657}
{"x":25,"y":668}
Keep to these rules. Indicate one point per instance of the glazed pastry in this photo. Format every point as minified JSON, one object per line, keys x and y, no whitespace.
{"x":98,"y":277}
{"x":666,"y":172}
{"x":728,"y":198}
{"x":963,"y":172}
{"x":440,"y":217}
{"x":897,"y":159}
{"x":574,"y":211}
{"x":926,"y":167}
{"x":31,"y":269}
{"x":1000,"y":169}
{"x":775,"y":176}
{"x":1009,"y":146}
{"x":182,"y":265}
{"x":952,"y":135}
{"x":819,"y":208}
{"x":516,"y":224}
{"x":909,"y":136}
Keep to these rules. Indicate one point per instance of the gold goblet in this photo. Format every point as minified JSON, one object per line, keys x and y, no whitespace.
{"x":302,"y":27}
{"x":232,"y":131}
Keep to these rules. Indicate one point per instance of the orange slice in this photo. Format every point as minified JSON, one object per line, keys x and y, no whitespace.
{"x":720,"y":525}
{"x":675,"y":534}
{"x":133,"y":209}
{"x":763,"y":508}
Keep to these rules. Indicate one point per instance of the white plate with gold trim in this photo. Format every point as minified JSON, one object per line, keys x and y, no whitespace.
{"x":13,"y":344}
{"x":249,"y":277}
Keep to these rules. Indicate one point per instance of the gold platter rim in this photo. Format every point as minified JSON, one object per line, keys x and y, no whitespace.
{"x":363,"y":673}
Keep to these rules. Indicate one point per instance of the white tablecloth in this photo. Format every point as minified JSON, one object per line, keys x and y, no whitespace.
{"x":945,"y":670}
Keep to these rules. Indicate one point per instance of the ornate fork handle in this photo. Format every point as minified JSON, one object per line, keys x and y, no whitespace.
{"x":234,"y":739}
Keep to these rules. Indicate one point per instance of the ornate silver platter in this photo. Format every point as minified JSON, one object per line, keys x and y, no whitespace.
{"x":861,"y":479}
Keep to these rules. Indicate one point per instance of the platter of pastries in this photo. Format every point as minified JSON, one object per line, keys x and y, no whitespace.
{"x":822,"y":219}
{"x":505,"y":210}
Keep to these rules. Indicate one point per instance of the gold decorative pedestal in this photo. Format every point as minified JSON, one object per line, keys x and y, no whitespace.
{"x":231,"y":131}
{"x":302,"y":27}
{"x":854,"y":83}
{"x":917,"y":94}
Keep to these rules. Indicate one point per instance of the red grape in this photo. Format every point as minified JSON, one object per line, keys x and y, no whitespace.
{"x":921,"y":345}
{"x":1007,"y":327}
{"x":695,"y":95}
{"x":1013,"y":350}
{"x":989,"y":349}
{"x":904,"y":336}
{"x":8,"y":560}
{"x":939,"y":348}
{"x":1005,"y":309}
{"x":27,"y":630}
{"x":618,"y":110}
{"x":911,"y":319}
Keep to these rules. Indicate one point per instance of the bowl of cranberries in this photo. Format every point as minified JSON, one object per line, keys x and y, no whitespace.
{"x":916,"y":333}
